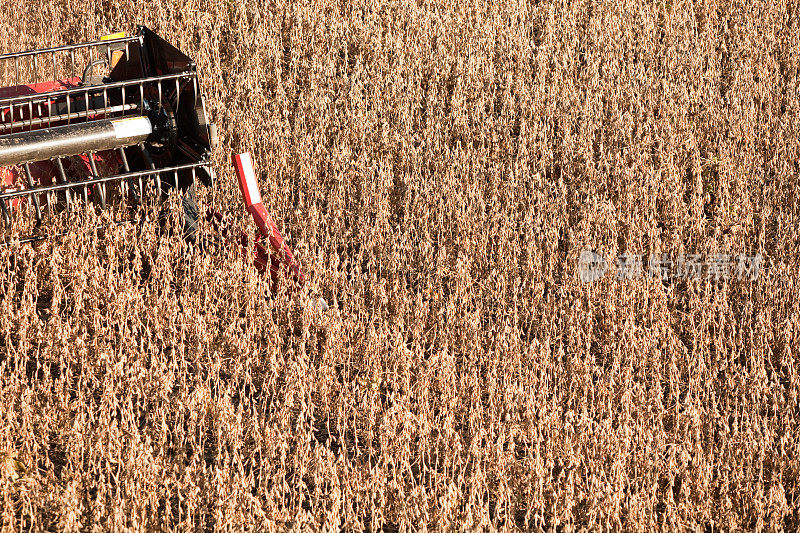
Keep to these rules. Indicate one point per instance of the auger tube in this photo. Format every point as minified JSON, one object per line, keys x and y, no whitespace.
{"x":73,"y":139}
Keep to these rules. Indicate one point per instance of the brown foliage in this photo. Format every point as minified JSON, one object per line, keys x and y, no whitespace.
{"x":438,"y":168}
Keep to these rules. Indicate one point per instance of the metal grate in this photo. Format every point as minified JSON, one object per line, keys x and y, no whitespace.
{"x":115,"y":99}
{"x":60,"y":62}
{"x":97,"y":183}
{"x":136,"y":76}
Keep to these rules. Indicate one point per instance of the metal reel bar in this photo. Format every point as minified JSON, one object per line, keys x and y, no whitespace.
{"x":32,"y":193}
{"x":23,"y":112}
{"x":70,"y":47}
{"x":53,"y":56}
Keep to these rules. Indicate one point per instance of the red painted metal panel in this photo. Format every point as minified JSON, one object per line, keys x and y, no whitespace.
{"x":280,"y":252}
{"x":36,"y":88}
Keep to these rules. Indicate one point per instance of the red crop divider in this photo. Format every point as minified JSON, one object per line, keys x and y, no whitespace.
{"x":280,"y":254}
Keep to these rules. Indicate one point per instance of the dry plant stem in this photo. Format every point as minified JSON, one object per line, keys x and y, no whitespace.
{"x":437,"y":168}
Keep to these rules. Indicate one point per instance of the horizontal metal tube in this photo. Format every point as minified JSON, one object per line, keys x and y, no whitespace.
{"x":30,"y":98}
{"x":74,"y":139}
{"x":97,"y":181}
{"x":34,"y":122}
{"x":69,"y":47}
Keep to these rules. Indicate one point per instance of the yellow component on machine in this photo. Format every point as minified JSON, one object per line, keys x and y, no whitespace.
{"x":116,"y":55}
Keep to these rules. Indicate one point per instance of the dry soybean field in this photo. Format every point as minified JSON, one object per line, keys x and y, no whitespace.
{"x":560,"y":241}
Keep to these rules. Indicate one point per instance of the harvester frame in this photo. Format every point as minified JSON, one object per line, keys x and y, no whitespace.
{"x":72,"y":133}
{"x":144,"y":122}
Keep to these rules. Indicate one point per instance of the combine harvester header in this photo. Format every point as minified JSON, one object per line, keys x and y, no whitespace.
{"x":119,"y":118}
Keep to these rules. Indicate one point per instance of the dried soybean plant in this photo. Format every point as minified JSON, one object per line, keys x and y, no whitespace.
{"x":438,"y":168}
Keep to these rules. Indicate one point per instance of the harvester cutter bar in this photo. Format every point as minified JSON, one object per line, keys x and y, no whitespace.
{"x":39,"y":238}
